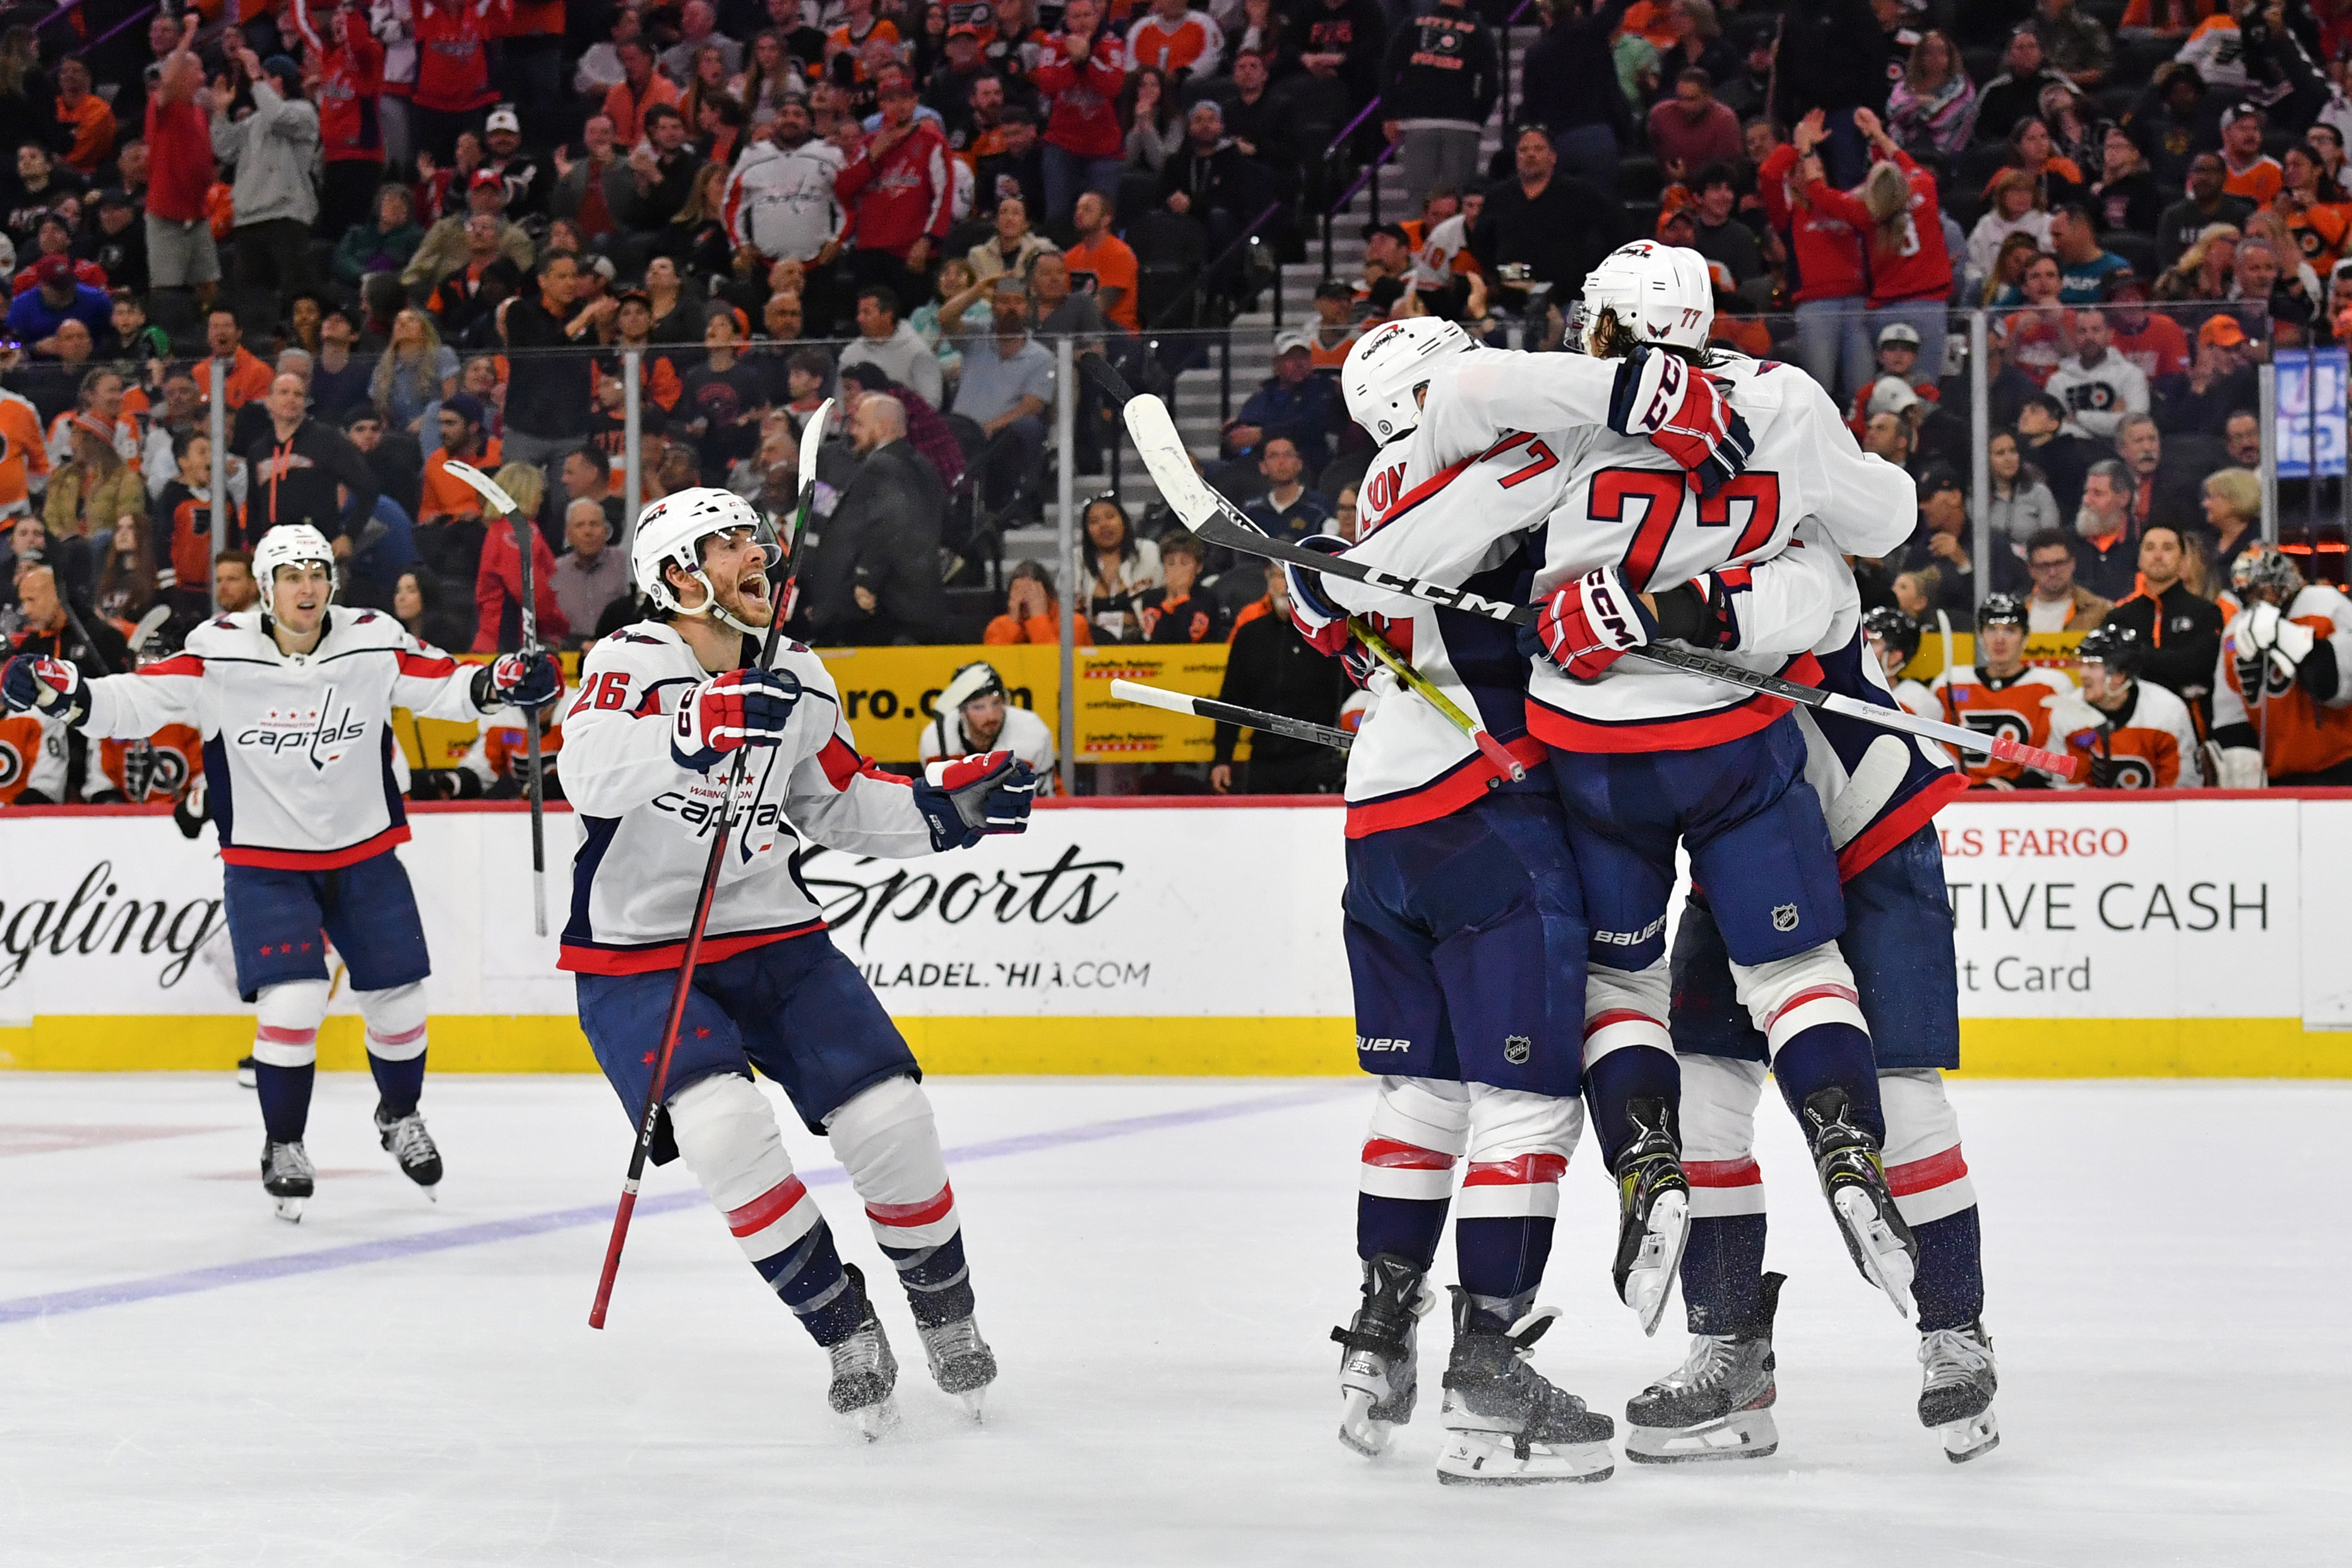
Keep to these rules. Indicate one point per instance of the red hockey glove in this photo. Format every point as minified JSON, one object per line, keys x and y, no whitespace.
{"x":1587,"y":625}
{"x":1684,"y":412}
{"x":50,"y":687}
{"x":739,"y":707}
{"x":527,"y":682}
{"x":965,"y":800}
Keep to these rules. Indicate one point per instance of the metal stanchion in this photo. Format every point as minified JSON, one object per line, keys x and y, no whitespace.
{"x":1980,"y":452}
{"x":218,"y":416}
{"x":632,"y":486}
{"x":1066,"y":446}
{"x":2266,"y":379}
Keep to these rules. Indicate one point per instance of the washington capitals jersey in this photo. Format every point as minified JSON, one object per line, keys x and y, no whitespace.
{"x":646,"y":819}
{"x":2015,"y":706}
{"x":298,"y":755}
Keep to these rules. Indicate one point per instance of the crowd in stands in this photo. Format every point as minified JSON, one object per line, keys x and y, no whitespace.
{"x":411,"y":231}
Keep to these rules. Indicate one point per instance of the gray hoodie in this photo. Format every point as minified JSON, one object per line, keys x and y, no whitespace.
{"x":904,"y":357}
{"x":276,"y":150}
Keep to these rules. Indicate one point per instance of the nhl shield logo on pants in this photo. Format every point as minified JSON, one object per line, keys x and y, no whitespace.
{"x":1515,"y":1049}
{"x":1784,"y":917}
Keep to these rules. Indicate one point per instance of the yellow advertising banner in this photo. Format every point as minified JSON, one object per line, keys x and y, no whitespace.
{"x":1110,"y":731}
{"x":888,"y":694}
{"x":2048,"y":651}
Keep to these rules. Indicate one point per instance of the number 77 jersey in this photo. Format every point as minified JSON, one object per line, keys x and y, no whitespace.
{"x":1623,"y":505}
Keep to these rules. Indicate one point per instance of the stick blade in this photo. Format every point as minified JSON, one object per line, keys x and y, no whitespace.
{"x":811,"y":437}
{"x":1162,"y":448}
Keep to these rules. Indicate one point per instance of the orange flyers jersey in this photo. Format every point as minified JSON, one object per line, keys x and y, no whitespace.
{"x":2150,"y":742}
{"x":504,"y":746}
{"x":2300,"y":735}
{"x":22,"y":451}
{"x":2016,"y":706}
{"x":32,"y":756}
{"x":174,"y":755}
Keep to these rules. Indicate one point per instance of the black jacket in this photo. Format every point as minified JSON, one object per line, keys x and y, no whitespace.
{"x":1270,"y":668}
{"x":2182,"y":637}
{"x":884,"y":537}
{"x":1571,"y":76}
{"x":294,"y":482}
{"x":1561,"y":234}
{"x":1440,"y":66}
{"x":1358,"y":29}
{"x":1220,"y":179}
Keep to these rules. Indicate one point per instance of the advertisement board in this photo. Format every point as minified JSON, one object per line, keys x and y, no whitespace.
{"x":2097,"y":935}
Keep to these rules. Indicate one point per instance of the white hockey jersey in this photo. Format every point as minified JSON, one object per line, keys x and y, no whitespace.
{"x":780,"y":201}
{"x":299,"y":761}
{"x":1025,"y":734}
{"x":2149,"y":742}
{"x":645,"y":820}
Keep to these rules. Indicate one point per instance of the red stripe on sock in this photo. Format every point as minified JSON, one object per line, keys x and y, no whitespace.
{"x":767,"y":1208}
{"x":278,"y":1037}
{"x":1618,"y":1016}
{"x":1393,"y":1155}
{"x":1528,"y":1170}
{"x":924,"y":1212}
{"x":1920,"y":1175}
{"x":1813,"y":994}
{"x":1722,"y":1172}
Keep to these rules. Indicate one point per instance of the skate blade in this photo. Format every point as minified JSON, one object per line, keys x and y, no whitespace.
{"x":1492,"y":1459}
{"x":1742,"y":1435}
{"x":245,"y":1079}
{"x":876,"y":1421}
{"x":1884,"y":1261}
{"x":1650,"y":1283}
{"x":1970,"y":1439}
{"x":973,"y":1402}
{"x":290,"y":1209}
{"x":1358,"y":1431}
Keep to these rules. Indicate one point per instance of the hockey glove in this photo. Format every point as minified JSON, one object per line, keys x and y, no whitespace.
{"x":1698,"y":612}
{"x":2240,"y":767}
{"x":50,"y":687}
{"x":965,"y":800}
{"x":1587,"y":625}
{"x":528,"y":681}
{"x":1321,"y":622}
{"x":1684,"y":412}
{"x":739,"y":707}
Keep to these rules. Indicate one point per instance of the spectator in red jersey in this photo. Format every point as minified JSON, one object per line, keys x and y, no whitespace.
{"x":899,"y":193}
{"x":1910,"y":271}
{"x":498,"y":586}
{"x":345,"y":67}
{"x":453,"y":68}
{"x":1083,"y":70}
{"x":180,"y":250}
{"x":1833,"y":330}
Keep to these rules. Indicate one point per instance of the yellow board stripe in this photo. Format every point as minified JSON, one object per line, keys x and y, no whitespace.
{"x":1165,"y":1047}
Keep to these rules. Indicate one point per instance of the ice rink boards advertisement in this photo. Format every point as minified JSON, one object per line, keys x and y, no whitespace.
{"x":2192,"y":934}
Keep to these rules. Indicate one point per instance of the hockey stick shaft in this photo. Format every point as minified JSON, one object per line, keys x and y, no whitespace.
{"x":1231,"y":714}
{"x":525,"y":536}
{"x":1217,"y":531}
{"x":649,"y":1119}
{"x":1494,"y":751}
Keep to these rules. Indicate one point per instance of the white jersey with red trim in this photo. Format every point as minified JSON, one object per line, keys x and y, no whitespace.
{"x":299,"y":756}
{"x":646,"y":818}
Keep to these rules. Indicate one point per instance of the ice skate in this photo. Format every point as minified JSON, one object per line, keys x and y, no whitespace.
{"x":1855,"y":1180}
{"x":864,"y":1370}
{"x":290,"y":1178}
{"x":1955,"y":1398}
{"x":409,"y":1143}
{"x":1376,"y":1373}
{"x":961,"y":1363}
{"x":1506,"y":1424}
{"x":1716,"y":1405}
{"x":1653,"y":1213}
{"x":245,"y":1075}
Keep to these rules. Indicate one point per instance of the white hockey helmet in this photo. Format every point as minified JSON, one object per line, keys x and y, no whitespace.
{"x":1389,"y":365}
{"x":289,"y":544}
{"x":1658,"y":293}
{"x":670,"y":534}
{"x":973,"y":680}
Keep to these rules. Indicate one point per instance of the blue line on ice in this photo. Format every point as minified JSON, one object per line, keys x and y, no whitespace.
{"x":222,"y":1276}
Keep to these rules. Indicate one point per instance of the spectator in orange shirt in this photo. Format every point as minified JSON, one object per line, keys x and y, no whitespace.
{"x":2251,"y":173}
{"x":247,"y":377}
{"x":447,"y":498}
{"x":1032,"y":611}
{"x":639,"y":89}
{"x":1105,"y":258}
{"x":91,"y":121}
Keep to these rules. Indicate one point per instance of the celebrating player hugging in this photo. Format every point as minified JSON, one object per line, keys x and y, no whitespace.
{"x":1508,"y":939}
{"x":293,"y":700}
{"x":770,"y":991}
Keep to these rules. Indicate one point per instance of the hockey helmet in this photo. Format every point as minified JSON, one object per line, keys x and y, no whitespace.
{"x":2268,"y":571}
{"x":2116,"y":648}
{"x":670,"y":534}
{"x":1896,"y":630}
{"x":289,"y":544}
{"x":2002,"y":610}
{"x":1658,"y":294}
{"x":1389,"y":365}
{"x":969,"y":684}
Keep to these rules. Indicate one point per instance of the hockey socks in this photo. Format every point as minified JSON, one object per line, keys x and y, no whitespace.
{"x":938,"y":1283}
{"x":1831,"y":1056}
{"x":1949,"y":1285}
{"x":397,"y":1084}
{"x":1401,"y":1228}
{"x":809,"y":1278}
{"x":1612,"y":1082}
{"x":1501,"y":1264}
{"x":285,"y":1094}
{"x":1723,"y":1275}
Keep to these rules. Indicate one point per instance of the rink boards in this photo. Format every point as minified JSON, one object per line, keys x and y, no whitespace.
{"x":2099,"y":935}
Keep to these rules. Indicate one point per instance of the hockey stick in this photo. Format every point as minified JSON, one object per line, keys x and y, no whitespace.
{"x":1228,"y":713}
{"x":1170,"y":465}
{"x":650,"y":1118}
{"x":1216,"y":529}
{"x":494,"y":494}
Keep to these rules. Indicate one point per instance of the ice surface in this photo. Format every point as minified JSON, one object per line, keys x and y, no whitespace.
{"x":2167,"y":1278}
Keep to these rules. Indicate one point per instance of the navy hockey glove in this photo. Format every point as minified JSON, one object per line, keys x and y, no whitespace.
{"x":526,"y":680}
{"x":966,"y":800}
{"x":50,"y":687}
{"x":1683,"y":412}
{"x":739,"y":707}
{"x":1320,"y":620}
{"x":1590,"y":623}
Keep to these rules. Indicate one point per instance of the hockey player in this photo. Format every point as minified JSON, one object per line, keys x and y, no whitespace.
{"x":2001,"y":694}
{"x":975,"y":716}
{"x":2130,"y":733}
{"x":1880,"y":792}
{"x":663,"y":707}
{"x":294,"y":701}
{"x":2283,"y":688}
{"x":1894,"y":643}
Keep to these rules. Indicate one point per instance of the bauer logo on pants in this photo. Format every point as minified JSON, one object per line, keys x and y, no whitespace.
{"x":1784,"y":917}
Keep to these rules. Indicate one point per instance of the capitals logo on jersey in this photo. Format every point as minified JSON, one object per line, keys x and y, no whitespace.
{"x":323,"y":734}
